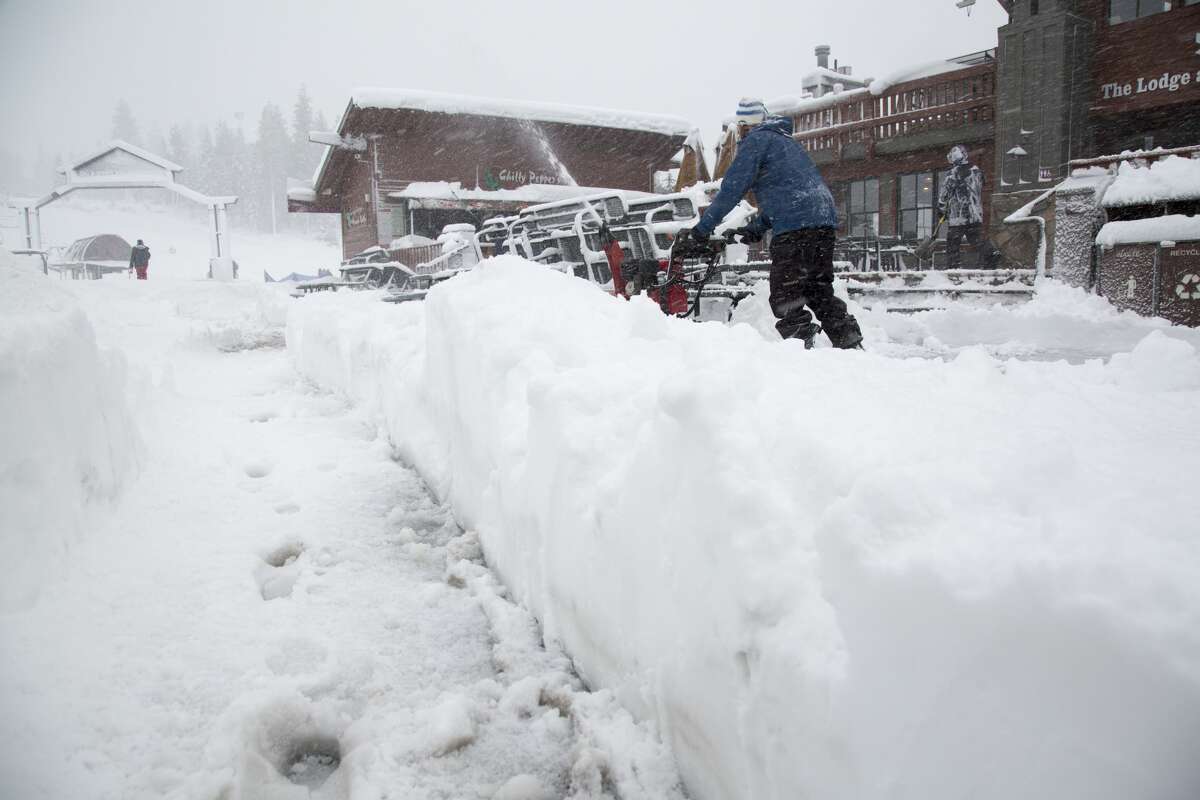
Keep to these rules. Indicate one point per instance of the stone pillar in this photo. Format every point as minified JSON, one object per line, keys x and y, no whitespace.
{"x":1077,"y":218}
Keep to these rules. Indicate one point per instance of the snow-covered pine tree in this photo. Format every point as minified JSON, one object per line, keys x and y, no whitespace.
{"x":299,"y":160}
{"x":178,"y":147}
{"x":226,"y":161}
{"x":204,"y":159}
{"x":272,"y":152}
{"x":124,"y":126}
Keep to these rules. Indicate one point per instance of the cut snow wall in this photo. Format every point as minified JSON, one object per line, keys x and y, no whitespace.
{"x":67,"y":439}
{"x":823,"y":574}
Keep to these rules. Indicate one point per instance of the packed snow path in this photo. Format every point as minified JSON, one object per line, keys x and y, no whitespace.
{"x":274,"y":606}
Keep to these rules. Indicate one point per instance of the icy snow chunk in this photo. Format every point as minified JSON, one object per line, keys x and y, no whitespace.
{"x":451,"y":724}
{"x":523,"y":697}
{"x":1160,"y":363}
{"x":522,"y":787}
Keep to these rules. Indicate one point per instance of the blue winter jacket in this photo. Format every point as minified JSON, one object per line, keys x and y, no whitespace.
{"x":786,"y":184}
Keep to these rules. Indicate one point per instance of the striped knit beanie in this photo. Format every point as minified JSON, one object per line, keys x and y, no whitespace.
{"x":751,"y":111}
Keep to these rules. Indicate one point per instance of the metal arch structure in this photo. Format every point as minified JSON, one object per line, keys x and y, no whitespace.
{"x":120,"y":165}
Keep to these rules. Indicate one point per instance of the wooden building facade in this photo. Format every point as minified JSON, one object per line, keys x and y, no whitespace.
{"x":405,"y":162}
{"x":883,"y":152}
{"x":1069,"y":79}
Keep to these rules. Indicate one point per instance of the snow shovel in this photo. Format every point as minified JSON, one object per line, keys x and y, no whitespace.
{"x":925,"y":248}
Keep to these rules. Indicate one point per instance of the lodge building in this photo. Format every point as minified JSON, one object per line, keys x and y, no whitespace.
{"x":406,"y":162}
{"x":1068,"y":80}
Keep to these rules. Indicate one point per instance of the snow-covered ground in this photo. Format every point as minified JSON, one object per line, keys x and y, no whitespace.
{"x":951,"y":566}
{"x":230,"y":587}
{"x":823,"y":574}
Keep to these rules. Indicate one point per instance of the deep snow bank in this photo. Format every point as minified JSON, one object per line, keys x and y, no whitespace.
{"x":824,"y":574}
{"x":67,"y":440}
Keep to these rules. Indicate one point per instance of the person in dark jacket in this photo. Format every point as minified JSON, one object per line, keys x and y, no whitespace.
{"x":796,"y":207}
{"x":139,"y":259}
{"x":960,"y":203}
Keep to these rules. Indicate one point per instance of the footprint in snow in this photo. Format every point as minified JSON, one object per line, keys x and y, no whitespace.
{"x":257,"y":469}
{"x":278,"y":573}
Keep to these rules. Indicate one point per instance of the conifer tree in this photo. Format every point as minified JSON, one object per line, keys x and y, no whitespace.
{"x":124,"y":126}
{"x":271,"y":154}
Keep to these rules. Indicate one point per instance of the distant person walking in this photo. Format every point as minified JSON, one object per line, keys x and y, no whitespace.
{"x":139,"y":259}
{"x":960,"y":203}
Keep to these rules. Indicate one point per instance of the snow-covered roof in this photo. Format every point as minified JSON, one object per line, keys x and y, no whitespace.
{"x":790,"y":105}
{"x":1170,"y":178}
{"x":1084,"y":178}
{"x":815,"y":75}
{"x":419,"y":100}
{"x":1171,"y":228}
{"x":915,"y":72}
{"x":119,"y":144}
{"x":301,"y":191}
{"x":533,"y":193}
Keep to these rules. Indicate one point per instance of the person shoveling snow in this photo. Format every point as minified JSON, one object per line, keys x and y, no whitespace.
{"x":796,"y":206}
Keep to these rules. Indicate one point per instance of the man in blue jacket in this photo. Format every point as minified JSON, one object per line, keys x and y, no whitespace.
{"x":797,"y":207}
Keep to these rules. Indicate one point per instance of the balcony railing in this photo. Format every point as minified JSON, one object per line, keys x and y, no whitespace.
{"x":964,"y":98}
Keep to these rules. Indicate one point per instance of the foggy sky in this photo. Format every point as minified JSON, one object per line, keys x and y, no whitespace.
{"x":64,"y":64}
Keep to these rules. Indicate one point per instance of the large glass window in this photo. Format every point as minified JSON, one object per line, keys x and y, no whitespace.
{"x":1126,"y":10}
{"x":918,"y":196}
{"x":864,"y":208}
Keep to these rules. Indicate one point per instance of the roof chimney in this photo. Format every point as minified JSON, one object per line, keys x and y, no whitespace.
{"x":823,"y":56}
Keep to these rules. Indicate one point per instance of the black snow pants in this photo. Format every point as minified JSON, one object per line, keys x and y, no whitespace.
{"x":989,"y":256}
{"x":802,"y":275}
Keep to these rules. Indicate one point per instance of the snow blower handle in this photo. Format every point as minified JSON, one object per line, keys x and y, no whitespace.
{"x":689,"y":244}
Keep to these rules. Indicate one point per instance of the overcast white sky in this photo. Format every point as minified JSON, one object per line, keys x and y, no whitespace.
{"x":64,"y":64}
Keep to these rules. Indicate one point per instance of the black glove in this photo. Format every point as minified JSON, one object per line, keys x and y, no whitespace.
{"x":747,"y":235}
{"x":689,"y":244}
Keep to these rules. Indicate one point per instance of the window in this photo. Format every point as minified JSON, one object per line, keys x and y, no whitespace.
{"x":864,"y":208}
{"x":918,"y":196}
{"x":400,"y":220}
{"x":1033,"y":8}
{"x":1125,"y":10}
